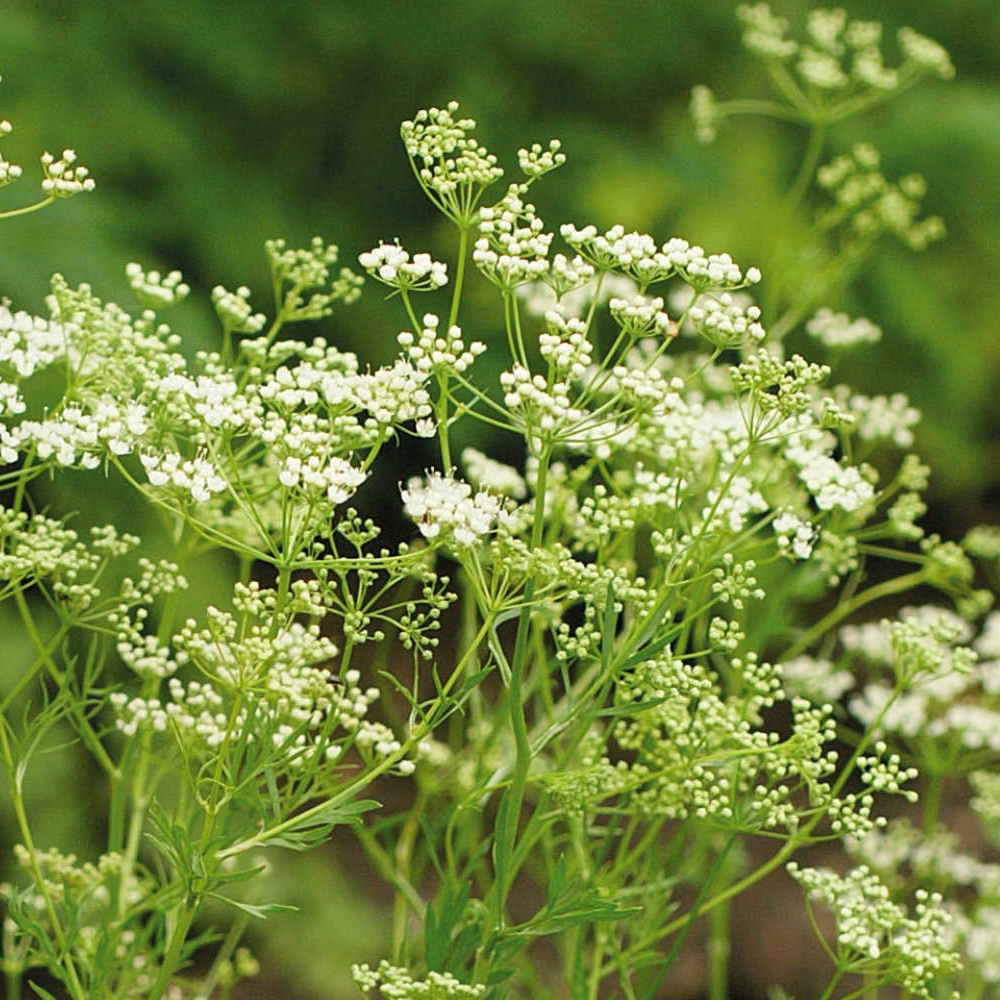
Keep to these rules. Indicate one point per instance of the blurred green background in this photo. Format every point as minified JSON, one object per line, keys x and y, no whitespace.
{"x":212,"y":126}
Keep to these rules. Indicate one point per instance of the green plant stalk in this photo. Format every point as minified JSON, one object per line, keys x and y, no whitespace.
{"x":44,"y":658}
{"x":11,"y":213}
{"x":183,"y":919}
{"x":402,"y":868}
{"x":226,"y":949}
{"x":16,"y":774}
{"x":456,"y":295}
{"x":718,"y":952}
{"x":889,"y":588}
{"x":513,"y":797}
{"x":685,"y":924}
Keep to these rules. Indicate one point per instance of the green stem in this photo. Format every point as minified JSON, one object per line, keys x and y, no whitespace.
{"x":16,"y":774}
{"x":718,"y":953}
{"x":899,"y":585}
{"x":402,"y":869}
{"x":513,"y":797}
{"x":175,"y":949}
{"x":814,"y":150}
{"x":45,"y":652}
{"x":411,"y":315}
{"x":685,"y":923}
{"x":226,"y":949}
{"x":12,"y":212}
{"x":456,"y":295}
{"x":789,"y":205}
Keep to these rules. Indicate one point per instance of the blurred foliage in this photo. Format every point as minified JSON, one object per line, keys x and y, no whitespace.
{"x":212,"y":127}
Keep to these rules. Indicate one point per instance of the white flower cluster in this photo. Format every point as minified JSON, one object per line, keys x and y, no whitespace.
{"x":195,"y":476}
{"x":444,"y":507}
{"x":880,"y":418}
{"x":566,"y":275}
{"x":730,"y":509}
{"x":392,"y":395}
{"x":872,"y":204}
{"x":927,"y":647}
{"x":871,"y":925}
{"x":307,"y":269}
{"x":726,"y":322}
{"x":831,"y":483}
{"x":337,"y":478}
{"x":705,"y":113}
{"x":432,"y":352}
{"x":9,"y":172}
{"x":235,"y":312}
{"x":35,"y":547}
{"x":543,"y":408}
{"x":819,"y":680}
{"x":494,"y":476}
{"x":642,"y":317}
{"x":777,"y":391}
{"x":795,"y":537}
{"x":70,"y":438}
{"x":639,"y":257}
{"x":838,"y":330}
{"x":837,"y":53}
{"x":395,"y":983}
{"x":452,"y":167}
{"x":27,"y":343}
{"x":141,"y":652}
{"x":925,"y":52}
{"x":514,"y":246}
{"x":764,"y":33}
{"x":570,"y":283}
{"x":155,"y":290}
{"x":565,"y":347}
{"x":297,"y":708}
{"x":537,"y":161}
{"x":62,"y":178}
{"x":391,"y":264}
{"x":88,"y":894}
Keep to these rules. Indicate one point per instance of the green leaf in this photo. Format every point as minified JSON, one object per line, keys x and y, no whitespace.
{"x":241,"y":875}
{"x":44,"y":994}
{"x":557,"y":881}
{"x":272,"y":792}
{"x":608,"y":628}
{"x":571,"y":904}
{"x":503,"y":838}
{"x":261,"y":911}
{"x":315,"y":827}
{"x":497,"y":976}
{"x":650,"y":650}
{"x":631,"y":708}
{"x":441,"y":922}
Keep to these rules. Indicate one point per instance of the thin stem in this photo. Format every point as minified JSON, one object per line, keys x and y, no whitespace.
{"x":513,"y":797}
{"x":807,"y":168}
{"x":175,"y":949}
{"x":27,"y":209}
{"x":16,"y":773}
{"x":899,"y":585}
{"x":686,"y":923}
{"x":456,"y":295}
{"x":226,"y":949}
